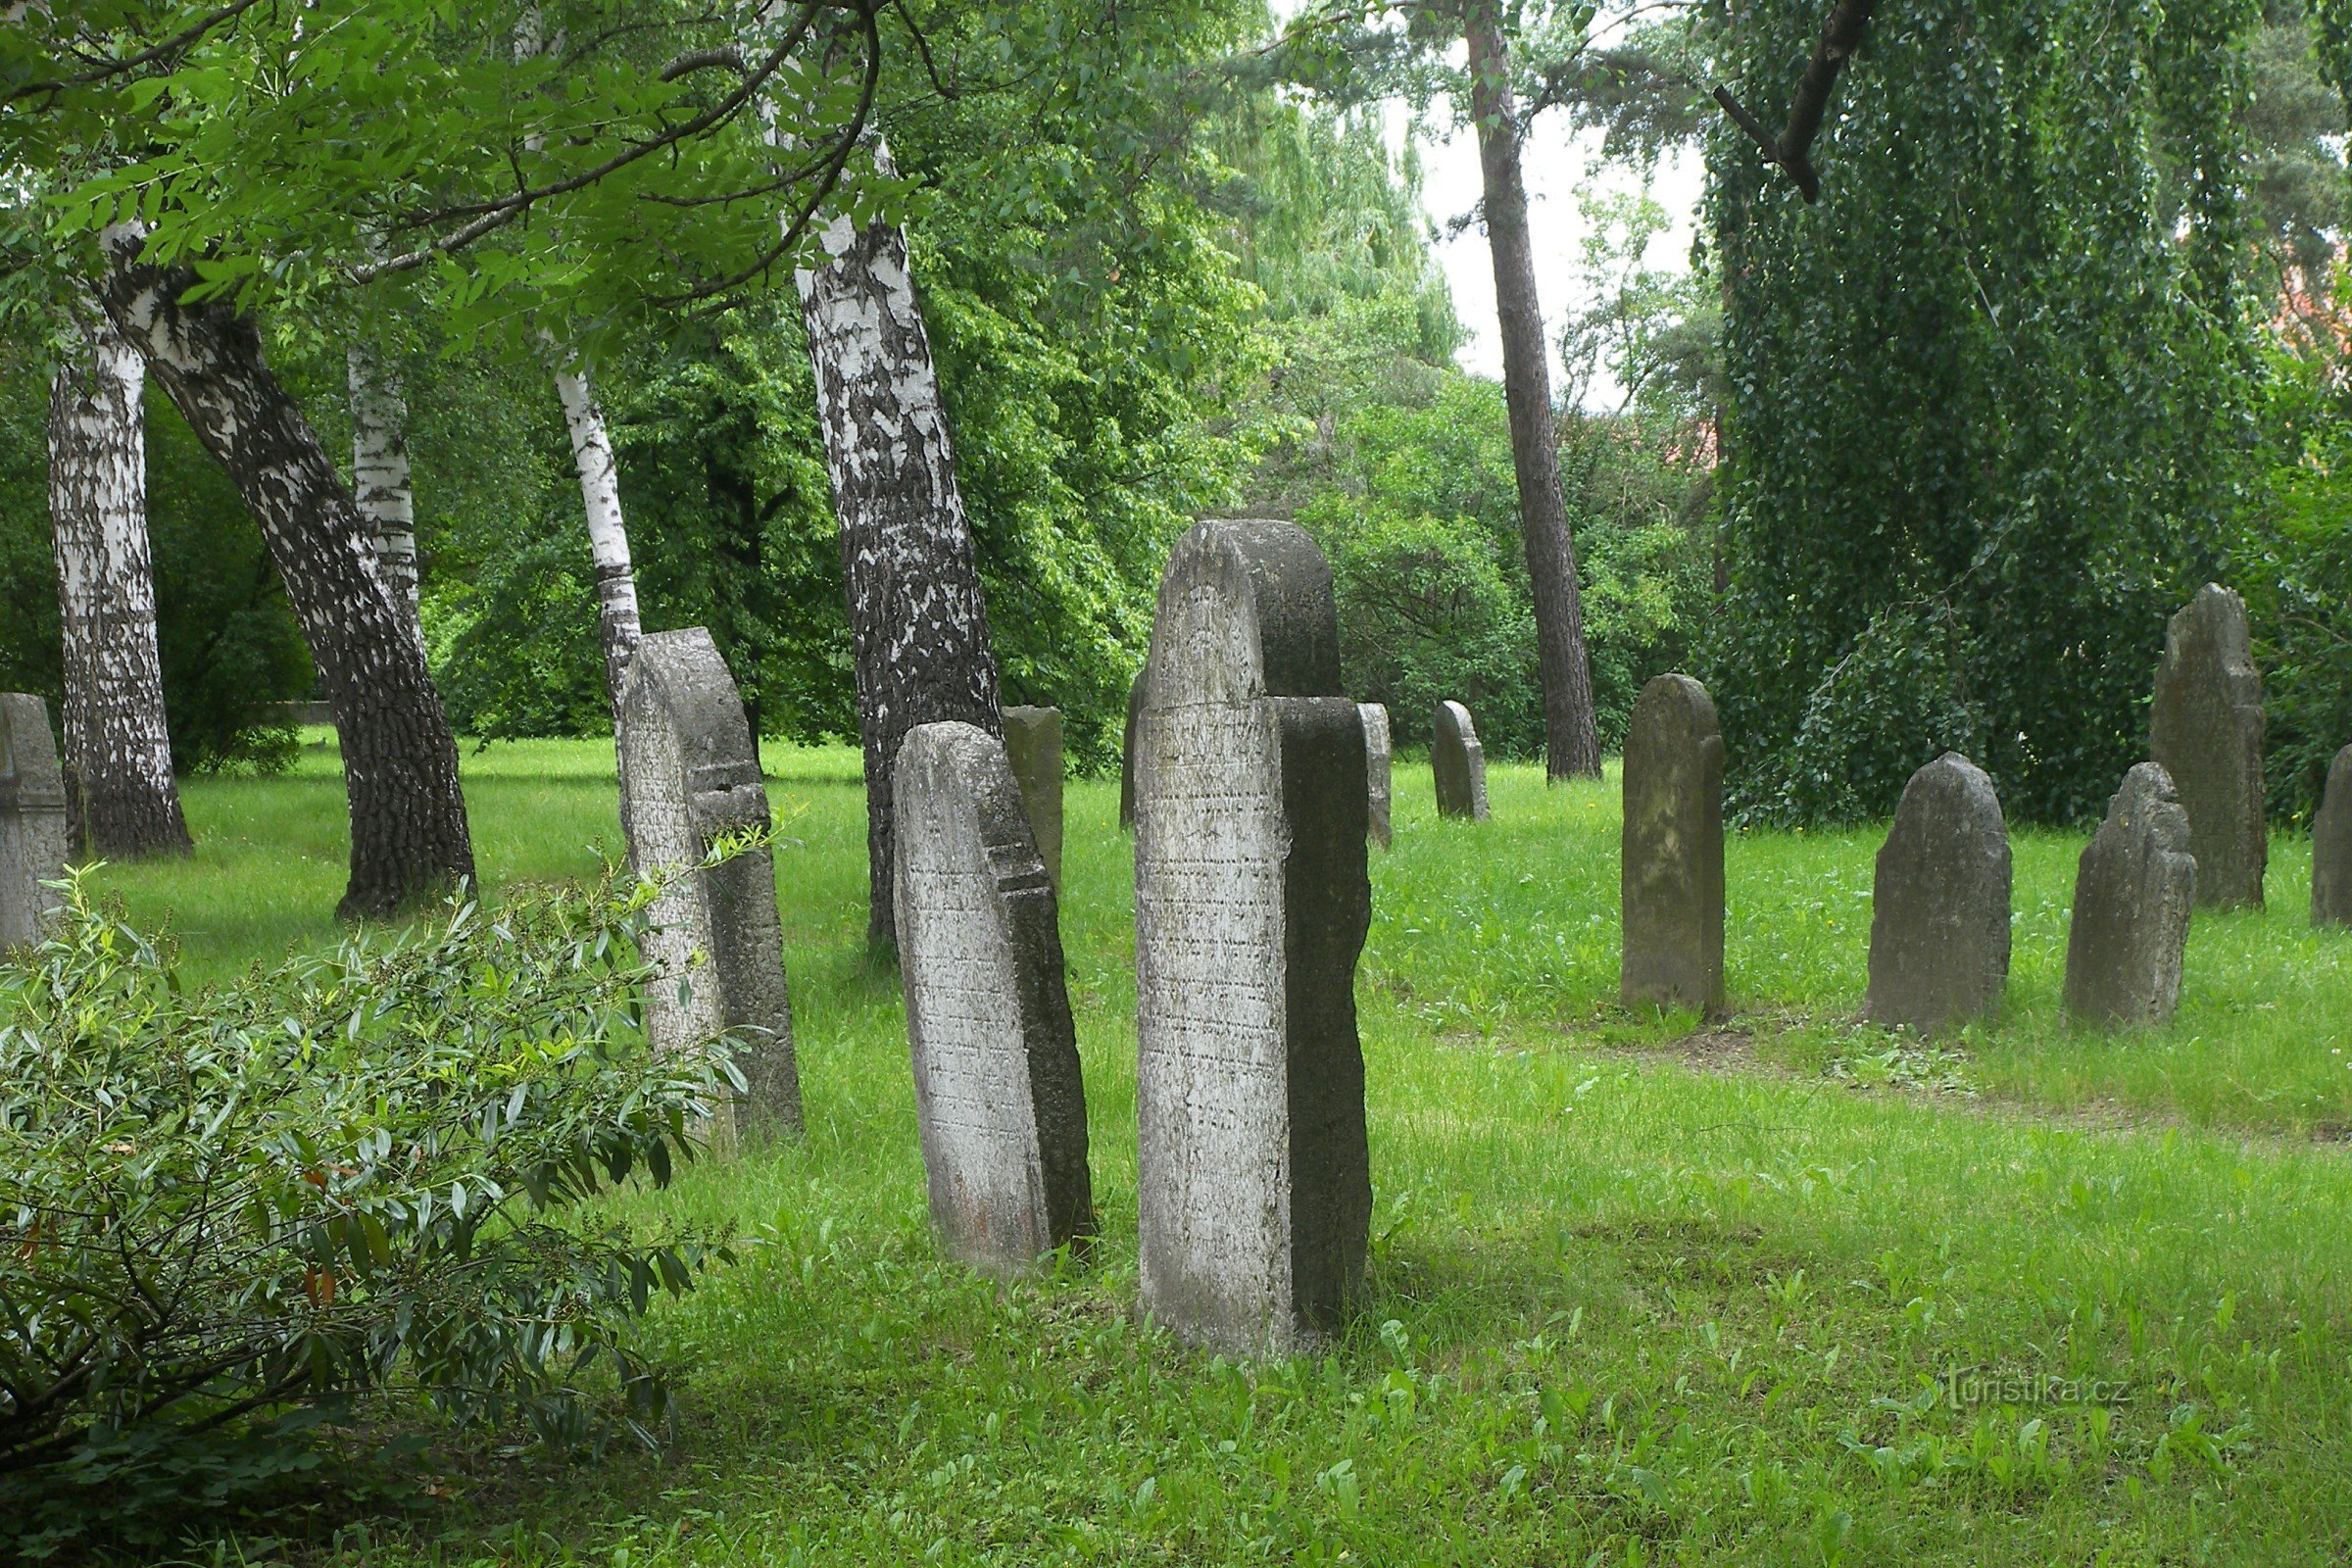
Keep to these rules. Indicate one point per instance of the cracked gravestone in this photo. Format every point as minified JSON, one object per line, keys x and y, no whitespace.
{"x":1940,"y":906}
{"x":2205,"y":728}
{"x":1376,"y":770}
{"x":1252,"y":904}
{"x":2331,"y":847}
{"x":33,"y":818}
{"x":1033,"y":748}
{"x":2134,"y":889}
{"x":1671,"y":869}
{"x":1458,"y":763}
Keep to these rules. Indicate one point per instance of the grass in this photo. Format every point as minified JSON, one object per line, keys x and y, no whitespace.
{"x":1639,"y":1293}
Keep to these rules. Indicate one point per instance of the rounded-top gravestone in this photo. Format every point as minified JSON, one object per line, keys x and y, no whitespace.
{"x":1940,"y":906}
{"x":1671,"y":865}
{"x":1458,"y":763}
{"x":2133,"y":890}
{"x":2331,"y":847}
{"x":2205,"y":729}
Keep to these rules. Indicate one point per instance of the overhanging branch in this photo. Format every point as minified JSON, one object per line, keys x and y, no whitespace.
{"x":1792,"y":149}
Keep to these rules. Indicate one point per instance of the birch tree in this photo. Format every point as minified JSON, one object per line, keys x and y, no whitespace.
{"x":382,"y":485}
{"x":617,"y":625}
{"x":121,"y":795}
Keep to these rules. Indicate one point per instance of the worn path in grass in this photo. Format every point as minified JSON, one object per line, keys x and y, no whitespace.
{"x":1619,"y":1307}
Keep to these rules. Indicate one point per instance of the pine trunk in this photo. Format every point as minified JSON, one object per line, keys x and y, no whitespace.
{"x":1571,"y":735}
{"x":618,"y":628}
{"x":918,"y":622}
{"x":122,"y":801}
{"x":380,"y":484}
{"x":409,"y":836}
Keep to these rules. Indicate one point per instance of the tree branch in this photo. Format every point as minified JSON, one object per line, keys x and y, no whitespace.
{"x":1792,"y":150}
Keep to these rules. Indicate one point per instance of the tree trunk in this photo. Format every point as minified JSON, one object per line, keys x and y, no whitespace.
{"x":1571,"y":736}
{"x":617,"y":625}
{"x":379,"y":471}
{"x":408,"y":835}
{"x":918,"y":622}
{"x":122,"y":801}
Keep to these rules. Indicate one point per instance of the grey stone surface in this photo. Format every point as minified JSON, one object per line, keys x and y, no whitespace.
{"x":1671,"y":869}
{"x":1458,"y":763}
{"x":32,"y":817}
{"x":2331,"y":847}
{"x":1253,"y":899}
{"x":996,"y":1088}
{"x":2205,"y":729}
{"x":1033,"y":746}
{"x":2133,"y":890}
{"x":1376,"y":770}
{"x":1135,"y":713}
{"x":1939,"y":908}
{"x":690,"y":777}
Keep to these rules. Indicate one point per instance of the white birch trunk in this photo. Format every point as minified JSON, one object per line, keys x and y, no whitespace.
{"x":122,"y":799}
{"x":379,"y":471}
{"x":617,"y":624}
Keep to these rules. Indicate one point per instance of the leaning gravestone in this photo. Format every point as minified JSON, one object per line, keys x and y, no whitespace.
{"x":2331,"y":847}
{"x":33,"y":818}
{"x":997,"y":1089}
{"x":690,"y":777}
{"x":1939,"y":908}
{"x":1135,"y":713}
{"x":2134,"y":891}
{"x":2205,"y":728}
{"x":1459,"y":764}
{"x":1033,"y":746}
{"x":1376,"y":769}
{"x":1253,"y":899}
{"x":1671,"y":870}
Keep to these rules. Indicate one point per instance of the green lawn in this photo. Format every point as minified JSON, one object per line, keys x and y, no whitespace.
{"x":1638,"y":1295}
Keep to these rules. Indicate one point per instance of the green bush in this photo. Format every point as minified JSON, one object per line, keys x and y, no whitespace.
{"x":229,"y":1213}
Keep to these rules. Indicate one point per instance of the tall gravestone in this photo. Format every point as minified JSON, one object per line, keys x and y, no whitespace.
{"x":1459,"y":764}
{"x":2331,"y":847}
{"x":2205,"y":729}
{"x":690,"y":777}
{"x":1253,"y":899}
{"x":1376,"y":770}
{"x":33,"y":818}
{"x":1033,"y":746}
{"x":1135,"y":713}
{"x":2133,"y":890}
{"x":1940,"y":907}
{"x":1671,"y":869}
{"x":996,"y":1088}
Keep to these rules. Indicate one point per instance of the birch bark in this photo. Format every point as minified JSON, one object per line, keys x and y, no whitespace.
{"x":408,"y":835}
{"x":122,"y":799}
{"x":380,"y":481}
{"x":618,"y":628}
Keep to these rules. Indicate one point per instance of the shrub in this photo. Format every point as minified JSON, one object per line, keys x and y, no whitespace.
{"x":226,"y":1213}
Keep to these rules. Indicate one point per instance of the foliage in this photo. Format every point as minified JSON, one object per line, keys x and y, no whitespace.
{"x":223,"y":1205}
{"x":1997,"y":383}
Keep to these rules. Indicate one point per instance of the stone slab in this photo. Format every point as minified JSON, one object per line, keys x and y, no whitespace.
{"x":1033,"y":748}
{"x":2205,"y":729}
{"x":1459,"y":764}
{"x":33,"y":842}
{"x":1377,"y":783}
{"x":2331,"y":847}
{"x":2133,"y":890}
{"x":1671,"y":865}
{"x":1940,"y":907}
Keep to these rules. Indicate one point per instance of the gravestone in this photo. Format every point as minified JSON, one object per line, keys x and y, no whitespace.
{"x":997,"y":1089}
{"x":1376,"y":770}
{"x":33,"y":818}
{"x":1134,"y":710}
{"x":2331,"y":847}
{"x":1033,"y":746}
{"x":1459,"y":764}
{"x":1939,"y":908}
{"x":1253,"y":899}
{"x":2133,"y":890}
{"x":690,"y":777}
{"x":1671,"y":869}
{"x":2205,"y":729}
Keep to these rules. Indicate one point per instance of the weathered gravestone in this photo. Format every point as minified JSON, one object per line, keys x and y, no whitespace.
{"x":1135,"y":713}
{"x":1033,"y":746}
{"x":1252,"y":904}
{"x":1939,"y":908}
{"x":33,"y":818}
{"x":997,"y":1089}
{"x":1459,"y":764}
{"x":2133,"y":890}
{"x":2205,"y":729}
{"x":690,"y":777}
{"x":2331,"y":847}
{"x":1376,"y":770}
{"x":1671,"y":869}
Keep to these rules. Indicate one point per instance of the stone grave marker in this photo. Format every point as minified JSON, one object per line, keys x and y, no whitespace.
{"x":1458,"y":763}
{"x":1135,"y":713}
{"x":1251,"y":905}
{"x":1376,"y":769}
{"x":33,"y":818}
{"x":2205,"y":729}
{"x":996,"y":1088}
{"x":690,"y":777}
{"x":1671,"y":869}
{"x":2133,"y":890}
{"x":1033,"y":746}
{"x":1939,"y":908}
{"x":2331,"y":847}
